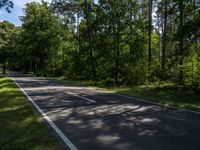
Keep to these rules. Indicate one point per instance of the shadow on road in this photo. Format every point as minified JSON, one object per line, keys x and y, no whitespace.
{"x":113,"y":122}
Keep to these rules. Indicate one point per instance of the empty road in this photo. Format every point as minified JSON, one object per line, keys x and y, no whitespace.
{"x":95,"y":120}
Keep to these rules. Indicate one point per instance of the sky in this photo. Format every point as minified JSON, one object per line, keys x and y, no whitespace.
{"x":16,"y":12}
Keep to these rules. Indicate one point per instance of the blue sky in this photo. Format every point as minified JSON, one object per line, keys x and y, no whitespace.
{"x":16,"y":12}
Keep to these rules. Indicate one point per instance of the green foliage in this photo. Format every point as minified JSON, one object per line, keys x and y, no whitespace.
{"x":6,"y":31}
{"x":7,"y":44}
{"x":192,"y":70}
{"x":167,"y":94}
{"x":108,"y":42}
{"x":40,"y":39}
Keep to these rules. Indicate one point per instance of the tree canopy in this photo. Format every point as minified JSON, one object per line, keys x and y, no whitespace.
{"x":7,"y":31}
{"x":113,"y":41}
{"x":7,"y":4}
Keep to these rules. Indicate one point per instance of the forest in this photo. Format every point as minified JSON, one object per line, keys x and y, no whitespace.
{"x":100,"y":75}
{"x":115,"y":42}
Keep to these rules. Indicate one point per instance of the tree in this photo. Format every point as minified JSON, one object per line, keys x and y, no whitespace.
{"x":181,"y":41}
{"x":164,"y":42}
{"x":112,"y":41}
{"x":88,"y":17}
{"x":40,"y":37}
{"x":6,"y":31}
{"x":150,"y":3}
{"x":7,"y":4}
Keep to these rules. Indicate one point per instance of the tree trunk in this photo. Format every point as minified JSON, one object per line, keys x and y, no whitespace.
{"x":164,"y":37}
{"x":78,"y":32}
{"x":194,"y":3}
{"x":149,"y":32}
{"x":117,"y":55}
{"x":90,"y":39}
{"x":181,"y":46}
{"x":132,"y":52}
{"x":4,"y":67}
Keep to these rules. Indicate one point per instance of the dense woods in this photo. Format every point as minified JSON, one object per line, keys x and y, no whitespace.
{"x":116,"y":42}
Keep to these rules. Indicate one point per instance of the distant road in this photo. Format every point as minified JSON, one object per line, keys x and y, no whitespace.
{"x":93,"y":120}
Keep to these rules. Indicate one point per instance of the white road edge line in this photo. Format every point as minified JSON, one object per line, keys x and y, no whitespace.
{"x":56,"y":129}
{"x":138,"y":99}
{"x":87,"y":99}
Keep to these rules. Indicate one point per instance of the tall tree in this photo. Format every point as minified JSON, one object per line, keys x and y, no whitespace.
{"x":41,"y":36}
{"x":88,"y":17}
{"x":181,"y":40}
{"x":7,"y":29}
{"x":112,"y":41}
{"x":164,"y":42}
{"x":150,"y":3}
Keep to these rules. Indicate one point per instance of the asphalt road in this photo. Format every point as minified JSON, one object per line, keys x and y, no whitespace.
{"x":94,"y":120}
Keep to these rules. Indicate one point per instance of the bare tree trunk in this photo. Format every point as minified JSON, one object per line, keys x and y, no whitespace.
{"x":181,"y":46}
{"x":194,"y":3}
{"x":164,"y":37}
{"x":117,"y":55}
{"x":149,"y":32}
{"x":78,"y":33}
{"x":4,"y":67}
{"x":132,"y":53}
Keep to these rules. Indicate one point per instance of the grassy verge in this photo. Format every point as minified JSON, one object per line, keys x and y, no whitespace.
{"x":20,"y":126}
{"x":165,"y":93}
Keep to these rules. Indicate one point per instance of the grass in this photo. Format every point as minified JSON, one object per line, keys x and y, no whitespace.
{"x":165,"y":93}
{"x":21,"y":127}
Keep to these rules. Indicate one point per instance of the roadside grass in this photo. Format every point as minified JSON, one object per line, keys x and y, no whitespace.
{"x":162,"y":93}
{"x":21,"y":127}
